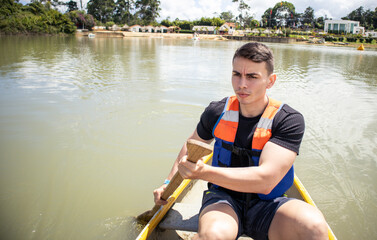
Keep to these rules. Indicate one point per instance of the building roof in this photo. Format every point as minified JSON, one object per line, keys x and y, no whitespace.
{"x":341,"y":21}
{"x":230,"y":24}
{"x":204,"y":28}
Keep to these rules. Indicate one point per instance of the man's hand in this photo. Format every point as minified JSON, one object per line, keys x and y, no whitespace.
{"x":157,"y":193}
{"x":189,"y":170}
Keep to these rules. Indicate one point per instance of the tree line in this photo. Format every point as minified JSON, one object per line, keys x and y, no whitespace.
{"x":42,"y":16}
{"x":367,"y":18}
{"x":34,"y":17}
{"x":284,"y":14}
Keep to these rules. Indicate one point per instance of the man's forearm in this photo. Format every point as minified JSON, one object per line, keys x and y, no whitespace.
{"x":245,"y":179}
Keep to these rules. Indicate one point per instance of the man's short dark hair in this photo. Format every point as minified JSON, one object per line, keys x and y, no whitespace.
{"x":257,"y":52}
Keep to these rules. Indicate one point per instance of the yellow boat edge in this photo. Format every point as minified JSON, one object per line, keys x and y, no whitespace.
{"x":155,"y":220}
{"x":152,"y":224}
{"x":307,"y":198}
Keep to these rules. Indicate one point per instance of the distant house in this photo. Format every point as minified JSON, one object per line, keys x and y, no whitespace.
{"x":343,"y":26}
{"x":115,"y":27}
{"x":149,"y":29}
{"x":135,"y":28}
{"x":99,"y":28}
{"x":173,"y":29}
{"x":163,"y":29}
{"x":204,"y":29}
{"x":372,"y":34}
{"x":125,"y":27}
{"x":227,"y":28}
{"x":267,"y":31}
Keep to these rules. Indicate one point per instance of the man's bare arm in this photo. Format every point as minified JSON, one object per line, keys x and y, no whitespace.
{"x":275,"y":161}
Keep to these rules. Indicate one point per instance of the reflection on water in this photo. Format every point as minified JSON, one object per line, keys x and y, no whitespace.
{"x":89,"y":127}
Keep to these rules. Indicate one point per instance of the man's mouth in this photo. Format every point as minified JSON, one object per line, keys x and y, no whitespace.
{"x":243,"y":95}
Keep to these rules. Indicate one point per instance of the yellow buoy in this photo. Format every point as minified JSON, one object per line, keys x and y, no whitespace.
{"x":361,"y":47}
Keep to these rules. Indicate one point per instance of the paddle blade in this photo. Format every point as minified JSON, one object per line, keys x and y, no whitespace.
{"x":147,"y":215}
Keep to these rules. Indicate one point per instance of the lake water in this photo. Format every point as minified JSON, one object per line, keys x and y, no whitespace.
{"x":89,"y":127}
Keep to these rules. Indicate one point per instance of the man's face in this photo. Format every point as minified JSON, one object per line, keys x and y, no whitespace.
{"x":250,"y":80}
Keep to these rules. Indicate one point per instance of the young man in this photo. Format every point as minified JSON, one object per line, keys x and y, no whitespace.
{"x":257,"y":140}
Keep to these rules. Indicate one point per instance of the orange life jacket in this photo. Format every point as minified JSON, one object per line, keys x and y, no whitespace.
{"x":225,"y":133}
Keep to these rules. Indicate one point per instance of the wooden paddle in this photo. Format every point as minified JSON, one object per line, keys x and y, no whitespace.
{"x":196,"y":150}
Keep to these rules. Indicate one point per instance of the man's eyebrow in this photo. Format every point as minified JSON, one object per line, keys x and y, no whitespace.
{"x":253,"y":74}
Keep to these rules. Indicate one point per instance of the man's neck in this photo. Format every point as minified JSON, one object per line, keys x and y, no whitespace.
{"x":254,"y":109}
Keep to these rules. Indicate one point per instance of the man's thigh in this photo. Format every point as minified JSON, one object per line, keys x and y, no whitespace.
{"x":297,"y":220}
{"x":218,"y":219}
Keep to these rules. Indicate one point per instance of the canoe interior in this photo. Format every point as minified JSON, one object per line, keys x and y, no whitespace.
{"x":181,"y":221}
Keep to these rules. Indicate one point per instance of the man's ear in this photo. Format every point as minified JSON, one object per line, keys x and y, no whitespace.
{"x":271,"y":80}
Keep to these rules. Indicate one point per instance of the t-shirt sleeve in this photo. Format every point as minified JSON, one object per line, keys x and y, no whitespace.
{"x":209,"y":118}
{"x":289,"y":129}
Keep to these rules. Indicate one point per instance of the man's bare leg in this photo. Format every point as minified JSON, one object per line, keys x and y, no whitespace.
{"x":218,"y":221}
{"x":298,"y":220}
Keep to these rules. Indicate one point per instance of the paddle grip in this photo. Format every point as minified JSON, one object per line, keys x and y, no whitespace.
{"x":195,"y":151}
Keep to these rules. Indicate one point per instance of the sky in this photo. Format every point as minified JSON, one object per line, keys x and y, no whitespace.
{"x":195,"y":9}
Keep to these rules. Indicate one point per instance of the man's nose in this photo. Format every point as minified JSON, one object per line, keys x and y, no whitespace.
{"x":243,"y":82}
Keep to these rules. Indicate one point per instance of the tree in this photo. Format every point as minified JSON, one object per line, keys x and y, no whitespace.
{"x":81,"y":19}
{"x":227,"y":16}
{"x":308,"y":16}
{"x":217,"y":22}
{"x":123,"y":10}
{"x":247,"y":19}
{"x":166,"y":22}
{"x":34,"y":17}
{"x":367,"y":18}
{"x":282,"y":14}
{"x":72,"y":6}
{"x":374,"y":19}
{"x":148,"y":10}
{"x":243,"y":6}
{"x":266,"y":17}
{"x":254,"y":23}
{"x":203,"y":22}
{"x":102,"y":10}
{"x":319,"y":22}
{"x":56,"y":3}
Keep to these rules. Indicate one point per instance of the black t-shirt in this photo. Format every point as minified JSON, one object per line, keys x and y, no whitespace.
{"x":287,"y":128}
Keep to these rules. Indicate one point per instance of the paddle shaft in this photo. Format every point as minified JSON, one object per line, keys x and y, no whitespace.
{"x":195,"y":151}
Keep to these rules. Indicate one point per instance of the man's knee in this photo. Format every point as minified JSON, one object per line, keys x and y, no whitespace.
{"x":217,"y":230}
{"x":317,"y":226}
{"x":218,"y":221}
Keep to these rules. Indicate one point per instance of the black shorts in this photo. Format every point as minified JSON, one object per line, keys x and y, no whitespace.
{"x":253,"y":221}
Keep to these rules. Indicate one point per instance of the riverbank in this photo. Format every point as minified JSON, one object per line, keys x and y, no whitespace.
{"x":121,"y":34}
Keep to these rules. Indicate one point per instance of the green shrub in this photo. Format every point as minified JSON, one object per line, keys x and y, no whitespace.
{"x":109,"y":25}
{"x":186,"y":31}
{"x":33,"y":18}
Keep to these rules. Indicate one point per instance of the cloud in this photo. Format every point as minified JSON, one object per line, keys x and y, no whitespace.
{"x":195,"y":9}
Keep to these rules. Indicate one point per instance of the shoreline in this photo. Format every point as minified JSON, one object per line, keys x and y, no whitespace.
{"x":121,"y":34}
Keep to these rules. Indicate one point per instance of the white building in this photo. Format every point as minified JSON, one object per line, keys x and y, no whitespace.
{"x":204,"y":29}
{"x":227,"y":28}
{"x":372,"y":34}
{"x":343,"y":26}
{"x":135,"y":28}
